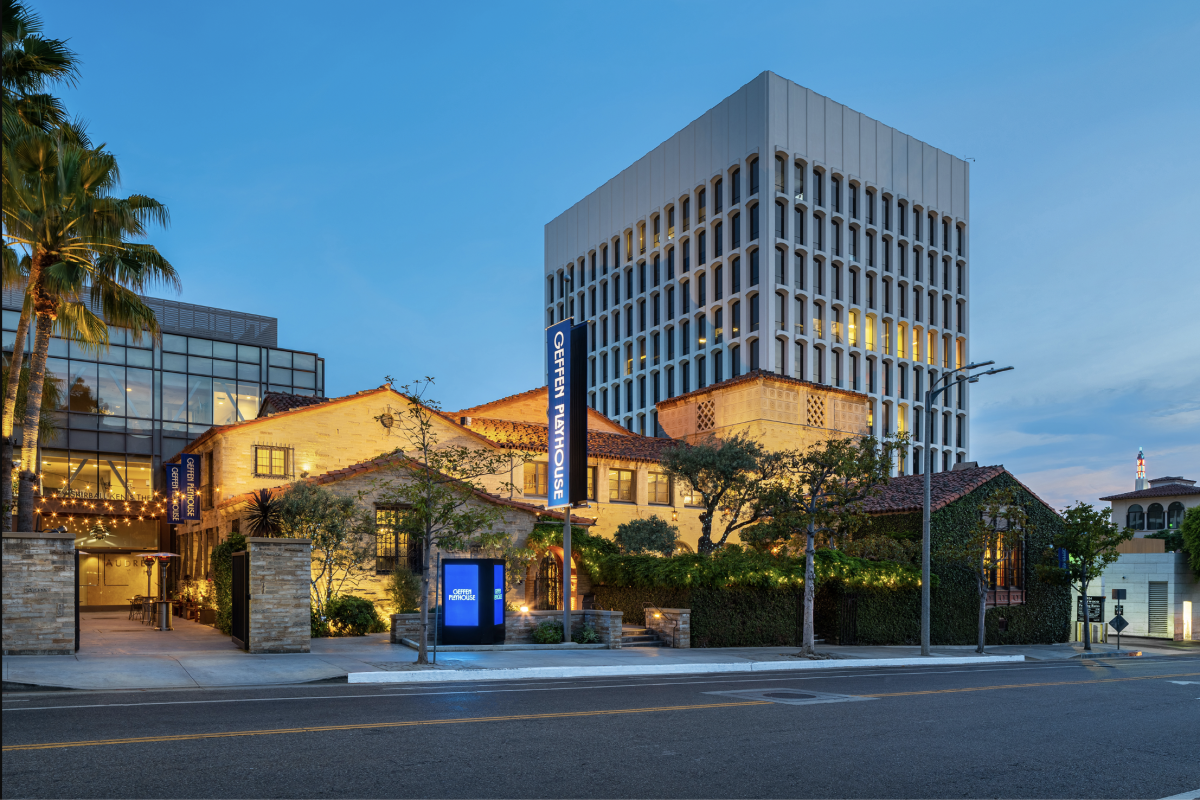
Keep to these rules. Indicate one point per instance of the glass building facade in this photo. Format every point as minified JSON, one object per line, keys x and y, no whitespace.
{"x":127,"y":409}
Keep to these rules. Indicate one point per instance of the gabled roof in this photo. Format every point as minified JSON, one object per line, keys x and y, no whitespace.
{"x":494,"y":409}
{"x":531,"y":436}
{"x":275,"y":402}
{"x":1170,"y":490}
{"x":760,"y":374}
{"x":907,"y":493}
{"x":392,"y":461}
{"x":304,"y":409}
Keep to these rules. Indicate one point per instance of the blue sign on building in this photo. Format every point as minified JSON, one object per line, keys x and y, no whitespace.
{"x":174,"y":493}
{"x":189,"y":466}
{"x":558,"y":368}
{"x":467,"y":617}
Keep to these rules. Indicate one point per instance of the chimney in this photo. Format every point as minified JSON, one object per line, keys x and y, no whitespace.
{"x":464,"y":421}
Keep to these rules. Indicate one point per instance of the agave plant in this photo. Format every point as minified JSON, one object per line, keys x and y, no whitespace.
{"x":264,"y":517}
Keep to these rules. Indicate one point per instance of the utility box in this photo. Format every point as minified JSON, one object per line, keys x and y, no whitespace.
{"x":472,"y":600}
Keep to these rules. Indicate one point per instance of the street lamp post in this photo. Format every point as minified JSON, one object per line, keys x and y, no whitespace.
{"x":930,"y":394}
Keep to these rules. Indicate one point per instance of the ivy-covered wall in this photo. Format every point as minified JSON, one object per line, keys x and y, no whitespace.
{"x":954,"y":601}
{"x":758,"y":615}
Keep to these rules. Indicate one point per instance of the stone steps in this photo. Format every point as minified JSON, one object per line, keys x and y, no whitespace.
{"x":638,"y":636}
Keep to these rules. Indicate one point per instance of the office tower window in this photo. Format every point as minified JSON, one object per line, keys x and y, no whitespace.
{"x":735,"y":224}
{"x":641,"y":384}
{"x":735,"y":319}
{"x":701,"y":206}
{"x":718,"y":283}
{"x":887,"y":254}
{"x":754,"y":359}
{"x":685,"y":378}
{"x":604,"y":260}
{"x":798,"y":226}
{"x":629,"y":245}
{"x":916,"y":265}
{"x":629,"y":323}
{"x":686,"y":248}
{"x":902,"y":297}
{"x":701,"y":373}
{"x":701,"y":332}
{"x":818,"y":365}
{"x":718,"y":240}
{"x":932,"y":230}
{"x":780,"y":174}
{"x":798,"y":317}
{"x":702,"y":290}
{"x":655,"y":316}
{"x":754,"y":267}
{"x":685,"y":341}
{"x":798,"y":361}
{"x":719,"y":326}
{"x":903,"y":255}
{"x":870,"y":291}
{"x":754,"y":316}
{"x":901,"y":215}
{"x":670,"y":344}
{"x":670,"y":302}
{"x":854,"y":243}
{"x":871,"y":375}
{"x":798,"y":271}
{"x":687,"y":213}
{"x":718,"y":196}
{"x":670,"y":223}
{"x":835,"y":234}
{"x":819,"y":187}
{"x":701,"y":247}
{"x":945,"y":234}
{"x":798,"y":181}
{"x":781,"y":312}
{"x":687,"y":298}
{"x":835,"y":193}
{"x":887,"y":296}
{"x":818,"y":223}
{"x":870,"y":207}
{"x":718,"y":366}
{"x":670,"y":383}
{"x":735,"y":187}
{"x":781,"y":267}
{"x":854,"y":201}
{"x":641,"y":238}
{"x":752,"y":168}
{"x":854,"y":286}
{"x":657,"y":268}
{"x":946,"y":274}
{"x":657,"y":224}
{"x":780,"y":221}
{"x":735,"y":272}
{"x":837,"y":368}
{"x":916,"y":224}
{"x":886,"y":207}
{"x":818,"y":276}
{"x":836,"y":273}
{"x":854,"y":385}
{"x":592,"y":275}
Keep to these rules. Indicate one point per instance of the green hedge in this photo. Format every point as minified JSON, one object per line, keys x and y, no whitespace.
{"x":222,"y":570}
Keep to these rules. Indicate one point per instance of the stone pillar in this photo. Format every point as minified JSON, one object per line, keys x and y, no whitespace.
{"x":39,"y":594}
{"x":280,"y":573}
{"x":673,"y":625}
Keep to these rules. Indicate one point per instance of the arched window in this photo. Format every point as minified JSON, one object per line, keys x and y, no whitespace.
{"x":1134,"y":518}
{"x":1155,"y":520}
{"x":1175,"y":515}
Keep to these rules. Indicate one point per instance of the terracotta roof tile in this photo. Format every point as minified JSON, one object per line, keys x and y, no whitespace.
{"x":389,"y":461}
{"x":534,"y":437}
{"x":756,"y":375}
{"x":278,"y":401}
{"x":492,"y":404}
{"x":1169,"y":490}
{"x":907,"y":493}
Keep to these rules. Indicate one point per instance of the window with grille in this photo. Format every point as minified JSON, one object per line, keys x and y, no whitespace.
{"x":395,"y":547}
{"x":1010,"y":569}
{"x":620,"y":486}
{"x":272,"y":462}
{"x":658,"y":488}
{"x":537,"y":478}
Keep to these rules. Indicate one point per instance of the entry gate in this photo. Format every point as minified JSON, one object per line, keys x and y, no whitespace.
{"x":240,"y":597}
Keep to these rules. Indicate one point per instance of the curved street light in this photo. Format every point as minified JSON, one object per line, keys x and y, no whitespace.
{"x":930,"y":394}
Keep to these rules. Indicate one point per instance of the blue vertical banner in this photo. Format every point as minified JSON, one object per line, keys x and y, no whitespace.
{"x":174,"y":493}
{"x":189,"y":466}
{"x":498,"y":594}
{"x":558,"y":411}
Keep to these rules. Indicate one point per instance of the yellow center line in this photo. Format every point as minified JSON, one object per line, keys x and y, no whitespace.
{"x":365,"y":726}
{"x":1028,"y":685}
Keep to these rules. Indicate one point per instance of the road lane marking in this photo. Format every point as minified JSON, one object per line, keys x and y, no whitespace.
{"x":1030,"y":685}
{"x":369,"y":725}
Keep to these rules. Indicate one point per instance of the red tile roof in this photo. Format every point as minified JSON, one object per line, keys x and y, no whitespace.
{"x":907,"y":493}
{"x":275,"y":402}
{"x":756,"y":375}
{"x":531,"y":436}
{"x":491,"y":405}
{"x":388,"y":462}
{"x":1170,"y":490}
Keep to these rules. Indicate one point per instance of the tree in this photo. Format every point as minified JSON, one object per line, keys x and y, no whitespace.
{"x":1090,"y":538}
{"x":339,"y":531}
{"x":728,"y":475}
{"x":653,"y":535}
{"x":1000,"y":529}
{"x":263,"y":513}
{"x":823,"y":489}
{"x":1191,"y":538}
{"x":59,"y":208}
{"x":440,"y":488}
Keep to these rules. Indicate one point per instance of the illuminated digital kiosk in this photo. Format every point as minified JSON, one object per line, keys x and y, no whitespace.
{"x":472,"y":601}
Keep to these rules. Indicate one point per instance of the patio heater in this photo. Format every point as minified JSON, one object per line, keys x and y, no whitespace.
{"x":163,"y":604}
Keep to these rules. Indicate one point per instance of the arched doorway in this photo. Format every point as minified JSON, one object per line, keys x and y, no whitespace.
{"x":547,"y":585}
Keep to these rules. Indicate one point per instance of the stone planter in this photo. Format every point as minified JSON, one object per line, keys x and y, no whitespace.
{"x":407,"y":626}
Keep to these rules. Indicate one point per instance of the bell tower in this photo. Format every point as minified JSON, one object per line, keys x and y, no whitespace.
{"x":1140,"y":483}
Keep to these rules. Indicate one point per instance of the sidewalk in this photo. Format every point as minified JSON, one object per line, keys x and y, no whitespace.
{"x":118,"y":654}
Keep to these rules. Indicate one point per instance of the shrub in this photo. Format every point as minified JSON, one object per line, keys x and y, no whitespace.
{"x":404,"y":588}
{"x":586,"y":635}
{"x":222,"y":571}
{"x":348,"y":615}
{"x":317,"y":627}
{"x":1191,"y":537}
{"x":548,"y":631}
{"x":653,"y":535}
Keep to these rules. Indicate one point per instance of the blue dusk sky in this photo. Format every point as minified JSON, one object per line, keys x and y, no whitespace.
{"x":377,"y":176}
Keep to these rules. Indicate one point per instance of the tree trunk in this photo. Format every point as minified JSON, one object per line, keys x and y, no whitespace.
{"x":982,"y":606}
{"x":10,"y":415}
{"x":423,"y":645}
{"x":810,"y":592}
{"x":33,"y":413}
{"x":705,"y":546}
{"x":1087,"y":622}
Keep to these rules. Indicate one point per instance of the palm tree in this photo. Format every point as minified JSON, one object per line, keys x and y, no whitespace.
{"x":30,"y":63}
{"x":264,"y":515}
{"x":59,"y":207}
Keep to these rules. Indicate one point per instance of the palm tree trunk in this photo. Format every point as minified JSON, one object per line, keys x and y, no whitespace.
{"x":10,"y":416}
{"x":33,"y":416}
{"x":810,"y":592}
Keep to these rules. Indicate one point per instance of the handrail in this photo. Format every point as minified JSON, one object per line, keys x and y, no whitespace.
{"x":675,"y":628}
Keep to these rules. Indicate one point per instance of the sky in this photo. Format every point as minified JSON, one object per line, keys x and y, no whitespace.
{"x":378,"y":179}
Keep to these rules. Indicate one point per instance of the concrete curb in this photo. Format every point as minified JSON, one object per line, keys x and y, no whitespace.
{"x":473,"y":648}
{"x":441,"y":675}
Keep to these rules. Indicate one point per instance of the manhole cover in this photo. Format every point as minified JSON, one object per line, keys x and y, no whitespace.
{"x":790,"y":695}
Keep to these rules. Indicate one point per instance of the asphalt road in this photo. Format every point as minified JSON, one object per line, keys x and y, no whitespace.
{"x":1117,"y":728}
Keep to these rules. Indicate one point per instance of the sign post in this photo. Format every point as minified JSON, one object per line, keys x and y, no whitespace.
{"x":1118,"y":621}
{"x":566,"y":416}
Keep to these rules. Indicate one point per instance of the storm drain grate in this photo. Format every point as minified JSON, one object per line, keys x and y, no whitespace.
{"x":791,"y":697}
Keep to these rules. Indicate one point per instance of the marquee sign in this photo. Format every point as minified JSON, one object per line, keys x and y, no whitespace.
{"x":468,"y":584}
{"x":183,"y":489}
{"x":566,"y":413}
